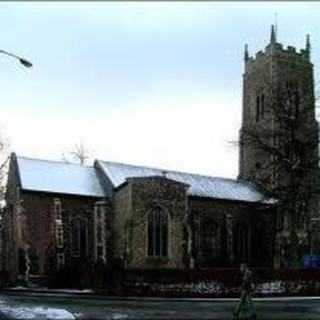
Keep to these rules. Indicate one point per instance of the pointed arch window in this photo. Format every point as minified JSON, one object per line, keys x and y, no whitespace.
{"x":209,"y":238}
{"x":158,"y":233}
{"x":79,"y":237}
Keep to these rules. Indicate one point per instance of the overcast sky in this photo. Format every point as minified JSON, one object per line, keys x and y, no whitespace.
{"x":155,"y":84}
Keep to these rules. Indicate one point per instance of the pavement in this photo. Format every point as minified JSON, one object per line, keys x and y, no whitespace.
{"x":58,"y":304}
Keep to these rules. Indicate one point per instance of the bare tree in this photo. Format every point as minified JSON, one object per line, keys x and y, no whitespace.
{"x":79,"y":153}
{"x":4,"y":161}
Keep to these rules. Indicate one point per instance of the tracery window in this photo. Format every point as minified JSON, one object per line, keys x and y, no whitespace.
{"x":158,"y":233}
{"x":209,"y":238}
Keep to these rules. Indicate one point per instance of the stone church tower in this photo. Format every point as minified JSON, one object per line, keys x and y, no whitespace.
{"x":279,"y":139}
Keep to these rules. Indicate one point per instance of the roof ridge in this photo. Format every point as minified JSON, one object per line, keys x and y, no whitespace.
{"x":55,"y":161}
{"x":173,"y":171}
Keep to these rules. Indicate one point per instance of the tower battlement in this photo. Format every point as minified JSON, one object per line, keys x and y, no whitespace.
{"x":276,"y":49}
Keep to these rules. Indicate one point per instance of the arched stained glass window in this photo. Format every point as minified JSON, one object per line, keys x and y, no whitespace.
{"x":158,"y":233}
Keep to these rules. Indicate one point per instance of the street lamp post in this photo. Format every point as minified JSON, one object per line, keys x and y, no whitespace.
{"x":23,"y":61}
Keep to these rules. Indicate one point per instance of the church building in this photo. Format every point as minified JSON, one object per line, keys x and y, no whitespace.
{"x":62,"y":215}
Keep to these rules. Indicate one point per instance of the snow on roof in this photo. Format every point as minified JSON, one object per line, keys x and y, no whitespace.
{"x":202,"y":186}
{"x":58,"y":177}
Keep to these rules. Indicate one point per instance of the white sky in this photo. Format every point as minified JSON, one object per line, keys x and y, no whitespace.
{"x":155,"y":84}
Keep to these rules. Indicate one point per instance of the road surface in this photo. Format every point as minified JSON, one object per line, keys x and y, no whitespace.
{"x":70,"y":306}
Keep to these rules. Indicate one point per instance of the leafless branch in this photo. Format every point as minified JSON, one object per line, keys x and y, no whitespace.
{"x":79,"y":153}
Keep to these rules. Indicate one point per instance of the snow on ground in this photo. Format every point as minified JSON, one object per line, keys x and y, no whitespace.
{"x":118,"y":316}
{"x":36,"y":313}
{"x":40,"y":289}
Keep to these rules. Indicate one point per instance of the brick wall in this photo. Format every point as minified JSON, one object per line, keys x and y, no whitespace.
{"x":29,"y":222}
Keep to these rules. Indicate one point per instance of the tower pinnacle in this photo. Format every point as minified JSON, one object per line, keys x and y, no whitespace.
{"x":246,"y":53}
{"x":273,"y":38}
{"x":308,"y":46}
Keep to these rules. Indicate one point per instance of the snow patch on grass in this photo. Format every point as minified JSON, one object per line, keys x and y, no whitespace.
{"x":36,"y":313}
{"x":117,"y":316}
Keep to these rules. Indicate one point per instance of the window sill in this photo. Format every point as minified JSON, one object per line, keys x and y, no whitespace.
{"x":157,"y":259}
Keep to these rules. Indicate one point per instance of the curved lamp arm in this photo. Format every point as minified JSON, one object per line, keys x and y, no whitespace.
{"x":23,"y":61}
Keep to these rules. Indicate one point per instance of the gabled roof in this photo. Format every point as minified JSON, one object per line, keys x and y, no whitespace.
{"x":58,"y":177}
{"x":200,"y":185}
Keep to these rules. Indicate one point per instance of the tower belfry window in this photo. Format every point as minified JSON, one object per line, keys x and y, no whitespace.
{"x":296,"y":102}
{"x":262,"y":106}
{"x":257,"y":108}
